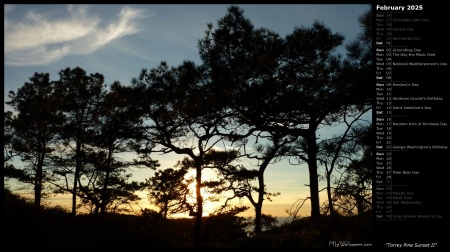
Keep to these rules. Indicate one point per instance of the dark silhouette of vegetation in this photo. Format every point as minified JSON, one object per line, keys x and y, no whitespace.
{"x":181,"y":118}
{"x":55,"y":227}
{"x":35,"y":129}
{"x":169,"y":191}
{"x":240,"y":178}
{"x":294,"y":87}
{"x":253,"y":87}
{"x":353,"y":192}
{"x":79,"y":96}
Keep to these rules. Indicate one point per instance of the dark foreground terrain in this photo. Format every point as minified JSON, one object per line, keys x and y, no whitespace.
{"x":26,"y":226}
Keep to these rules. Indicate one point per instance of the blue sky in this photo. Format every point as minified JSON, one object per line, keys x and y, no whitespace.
{"x":119,"y":40}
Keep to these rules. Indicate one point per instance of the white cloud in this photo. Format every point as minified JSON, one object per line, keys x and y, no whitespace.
{"x":39,"y":40}
{"x":122,"y":27}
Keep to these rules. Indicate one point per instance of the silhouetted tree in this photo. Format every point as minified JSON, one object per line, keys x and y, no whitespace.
{"x":242,"y":63}
{"x":215,"y":161}
{"x":35,"y":128}
{"x":119,"y":190}
{"x":169,"y":190}
{"x":344,"y":94}
{"x":180,"y":117}
{"x":337,"y":151}
{"x":288,"y":85}
{"x":273,"y":148}
{"x":355,"y":79}
{"x":80,"y":95}
{"x":310,"y":89}
{"x":353,"y":192}
{"x":115,"y":120}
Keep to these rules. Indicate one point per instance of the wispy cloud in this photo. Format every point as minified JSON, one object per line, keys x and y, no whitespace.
{"x":37,"y":39}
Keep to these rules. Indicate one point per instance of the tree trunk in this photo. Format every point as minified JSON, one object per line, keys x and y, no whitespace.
{"x":106,"y":182}
{"x":313,"y":176}
{"x":38,"y":178}
{"x":76,"y":176}
{"x":259,"y":203}
{"x":330,"y":199}
{"x":199,"y":215}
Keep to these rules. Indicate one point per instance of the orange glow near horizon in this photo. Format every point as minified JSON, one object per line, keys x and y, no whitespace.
{"x":273,"y":208}
{"x":277,"y":207}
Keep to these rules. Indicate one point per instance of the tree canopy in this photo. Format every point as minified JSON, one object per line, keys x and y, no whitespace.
{"x":254,"y":95}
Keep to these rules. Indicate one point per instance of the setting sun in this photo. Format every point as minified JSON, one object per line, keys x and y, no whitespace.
{"x":209,"y":205}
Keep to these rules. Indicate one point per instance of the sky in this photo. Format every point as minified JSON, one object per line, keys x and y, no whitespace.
{"x":118,"y":40}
